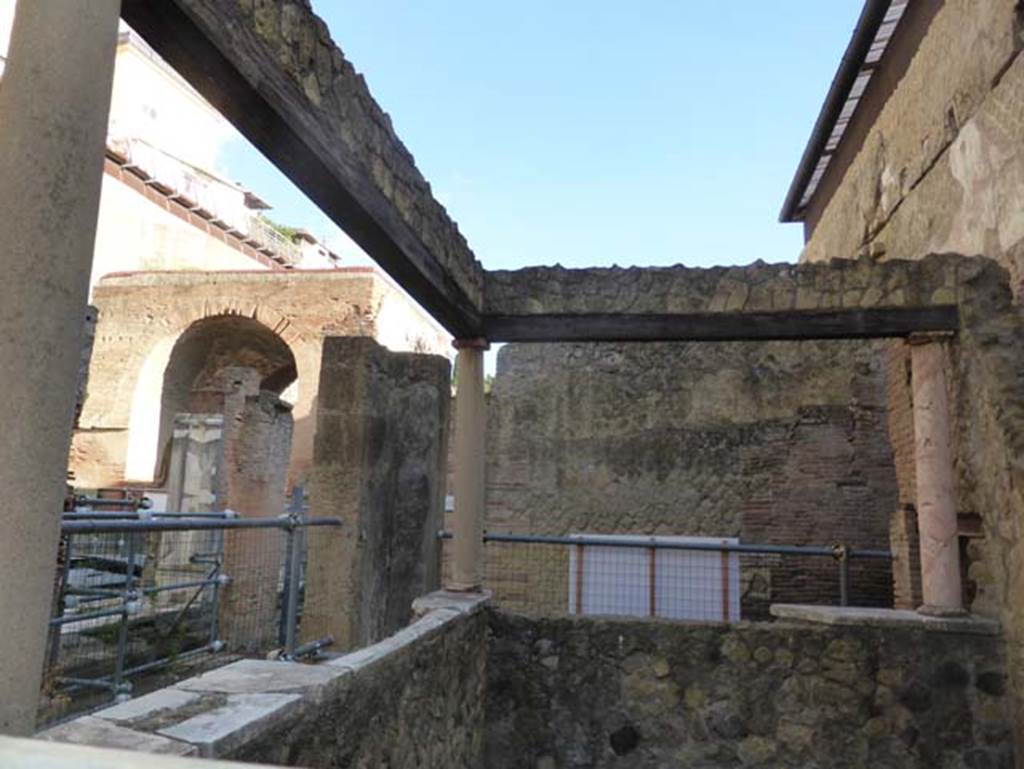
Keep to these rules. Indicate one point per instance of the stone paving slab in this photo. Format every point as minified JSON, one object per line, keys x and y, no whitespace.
{"x":884,"y":618}
{"x":89,"y":730}
{"x":265,"y":676}
{"x":148,"y":705}
{"x":219,"y":731}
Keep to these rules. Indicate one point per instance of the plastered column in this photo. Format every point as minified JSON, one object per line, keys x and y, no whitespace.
{"x":467,"y":526}
{"x":936,"y":493}
{"x":54,"y":101}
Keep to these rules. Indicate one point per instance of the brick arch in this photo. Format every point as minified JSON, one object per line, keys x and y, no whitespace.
{"x":189,"y":358}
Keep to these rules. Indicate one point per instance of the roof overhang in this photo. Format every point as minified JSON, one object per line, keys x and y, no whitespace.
{"x":875,"y":27}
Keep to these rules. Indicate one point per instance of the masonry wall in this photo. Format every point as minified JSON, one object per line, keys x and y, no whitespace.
{"x":416,"y":699}
{"x":379,"y":465}
{"x":142,"y":316}
{"x":942,"y":166}
{"x":420,"y":707}
{"x":775,"y":443}
{"x":625,"y":693}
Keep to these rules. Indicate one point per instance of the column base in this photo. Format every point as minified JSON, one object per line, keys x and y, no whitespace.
{"x":460,"y":587}
{"x":927,"y":610}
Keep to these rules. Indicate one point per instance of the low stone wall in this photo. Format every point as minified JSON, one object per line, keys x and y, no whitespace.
{"x":603,"y":692}
{"x":412,"y":700}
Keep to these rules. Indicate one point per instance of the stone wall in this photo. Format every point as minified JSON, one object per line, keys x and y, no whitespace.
{"x":379,"y":465}
{"x":413,"y":700}
{"x":620,"y":693}
{"x":941,"y":168}
{"x":775,"y":443}
{"x":840,"y":283}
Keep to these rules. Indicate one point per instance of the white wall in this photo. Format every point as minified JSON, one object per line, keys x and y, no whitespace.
{"x":135,"y":234}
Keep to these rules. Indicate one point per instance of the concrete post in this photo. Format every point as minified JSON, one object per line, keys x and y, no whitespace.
{"x":936,"y":494}
{"x":467,"y":564}
{"x":54,"y":101}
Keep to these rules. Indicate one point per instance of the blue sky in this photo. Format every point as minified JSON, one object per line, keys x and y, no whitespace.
{"x":593,"y":133}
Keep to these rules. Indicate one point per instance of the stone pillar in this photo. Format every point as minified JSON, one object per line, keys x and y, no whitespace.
{"x":470,"y":423}
{"x":936,"y":493}
{"x":379,"y":466}
{"x":54,"y":101}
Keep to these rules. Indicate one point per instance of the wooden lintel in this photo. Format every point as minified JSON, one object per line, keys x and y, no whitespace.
{"x":253,"y":93}
{"x":867,"y":323}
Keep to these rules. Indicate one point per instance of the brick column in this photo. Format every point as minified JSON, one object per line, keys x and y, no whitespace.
{"x":936,"y":493}
{"x":470,"y":423}
{"x":54,"y":102}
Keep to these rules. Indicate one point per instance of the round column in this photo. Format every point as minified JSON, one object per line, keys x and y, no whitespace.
{"x":470,"y":424}
{"x":936,"y":487}
{"x":54,"y":102}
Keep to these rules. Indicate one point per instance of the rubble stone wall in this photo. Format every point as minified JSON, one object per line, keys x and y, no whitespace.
{"x":767,"y":695}
{"x":840,"y":283}
{"x":415,"y":699}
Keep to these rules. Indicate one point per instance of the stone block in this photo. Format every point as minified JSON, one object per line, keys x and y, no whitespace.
{"x":149,"y":705}
{"x":89,"y":730}
{"x":244,"y":717}
{"x":266,"y":676}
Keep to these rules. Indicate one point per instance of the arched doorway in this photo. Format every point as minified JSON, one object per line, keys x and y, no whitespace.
{"x":210,"y":351}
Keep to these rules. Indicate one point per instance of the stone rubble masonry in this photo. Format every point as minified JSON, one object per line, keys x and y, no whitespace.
{"x":342,"y":115}
{"x":942,"y":166}
{"x":379,"y":465}
{"x":753,"y":695}
{"x":987,"y":362}
{"x":758,"y":287}
{"x":415,"y":699}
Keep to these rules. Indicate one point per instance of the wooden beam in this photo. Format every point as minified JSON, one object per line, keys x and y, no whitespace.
{"x":202,"y":43}
{"x":866,"y":323}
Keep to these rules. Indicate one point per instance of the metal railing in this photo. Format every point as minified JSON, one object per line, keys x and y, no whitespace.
{"x":136,"y":591}
{"x":700,"y":578}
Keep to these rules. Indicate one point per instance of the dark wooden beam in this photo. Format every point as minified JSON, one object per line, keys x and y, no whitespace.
{"x":253,"y":92}
{"x":723,"y":326}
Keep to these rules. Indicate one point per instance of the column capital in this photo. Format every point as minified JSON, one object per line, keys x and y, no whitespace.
{"x":471,"y":343}
{"x":929,"y":337}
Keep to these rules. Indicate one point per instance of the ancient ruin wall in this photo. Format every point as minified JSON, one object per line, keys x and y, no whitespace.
{"x":604,"y":693}
{"x":840,"y":283}
{"x":379,"y":465}
{"x":414,"y":700}
{"x":776,"y":443}
{"x":142,"y":315}
{"x":941,"y":168}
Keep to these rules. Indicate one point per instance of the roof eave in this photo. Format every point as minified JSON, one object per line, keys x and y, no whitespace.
{"x":870,"y":20}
